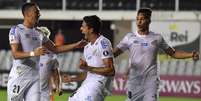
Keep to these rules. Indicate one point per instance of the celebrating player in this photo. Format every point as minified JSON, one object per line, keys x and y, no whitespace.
{"x":97,"y":64}
{"x":26,"y":46}
{"x":143,"y":45}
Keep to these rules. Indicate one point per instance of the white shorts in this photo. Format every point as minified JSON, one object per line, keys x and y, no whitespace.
{"x":146,"y":91}
{"x":20,"y":88}
{"x":92,"y":91}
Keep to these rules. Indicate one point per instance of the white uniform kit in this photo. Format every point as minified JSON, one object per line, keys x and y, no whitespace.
{"x":143,"y":78}
{"x":92,"y":88}
{"x":48,"y":63}
{"x":23,"y":83}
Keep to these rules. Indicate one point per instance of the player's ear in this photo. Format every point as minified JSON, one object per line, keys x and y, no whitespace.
{"x":91,"y":30}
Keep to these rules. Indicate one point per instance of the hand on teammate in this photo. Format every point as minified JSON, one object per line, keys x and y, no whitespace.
{"x":195,"y":55}
{"x":81,"y":43}
{"x":40,"y":51}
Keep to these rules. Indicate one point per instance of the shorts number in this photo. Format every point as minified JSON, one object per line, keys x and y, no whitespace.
{"x":16,"y":89}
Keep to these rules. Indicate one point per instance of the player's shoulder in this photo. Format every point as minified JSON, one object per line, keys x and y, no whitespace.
{"x":103,"y":42}
{"x":130,"y":35}
{"x":155,"y":34}
{"x":17,"y":27}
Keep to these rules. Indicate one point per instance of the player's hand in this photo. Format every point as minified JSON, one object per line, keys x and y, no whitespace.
{"x":66,"y":78}
{"x":44,"y":30}
{"x":40,"y":51}
{"x":83,"y":64}
{"x":195,"y":55}
{"x":81,"y":44}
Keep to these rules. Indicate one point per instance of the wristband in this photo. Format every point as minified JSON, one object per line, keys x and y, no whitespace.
{"x":32,"y":53}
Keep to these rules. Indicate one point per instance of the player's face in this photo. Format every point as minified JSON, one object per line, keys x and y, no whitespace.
{"x":85,"y":30}
{"x":34,"y":15}
{"x":142,"y":22}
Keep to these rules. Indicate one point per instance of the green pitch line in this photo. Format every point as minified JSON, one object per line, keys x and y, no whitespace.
{"x":3,"y":97}
{"x":122,"y":98}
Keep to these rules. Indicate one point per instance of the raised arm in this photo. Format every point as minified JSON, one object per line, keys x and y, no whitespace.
{"x":117,"y":52}
{"x":64,"y":48}
{"x":178,"y":54}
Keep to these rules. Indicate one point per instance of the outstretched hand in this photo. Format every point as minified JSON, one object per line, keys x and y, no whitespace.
{"x":195,"y":55}
{"x":81,"y":43}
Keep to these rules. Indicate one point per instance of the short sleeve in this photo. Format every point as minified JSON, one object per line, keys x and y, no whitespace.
{"x":123,"y":44}
{"x":14,"y":35}
{"x":105,"y":48}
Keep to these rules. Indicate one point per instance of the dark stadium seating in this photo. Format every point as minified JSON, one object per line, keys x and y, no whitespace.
{"x":164,"y":5}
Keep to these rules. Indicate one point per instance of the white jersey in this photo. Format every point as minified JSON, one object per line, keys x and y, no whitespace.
{"x":142,"y":55}
{"x":94,"y":55}
{"x":29,"y":39}
{"x":44,"y":59}
{"x":92,"y":88}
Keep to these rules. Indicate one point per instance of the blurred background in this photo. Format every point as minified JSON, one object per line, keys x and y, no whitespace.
{"x":179,"y":21}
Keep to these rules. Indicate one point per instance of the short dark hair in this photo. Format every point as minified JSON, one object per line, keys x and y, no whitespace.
{"x":145,"y":11}
{"x":94,"y":22}
{"x":26,"y":6}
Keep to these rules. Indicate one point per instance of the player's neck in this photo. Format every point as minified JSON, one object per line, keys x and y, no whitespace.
{"x":143,"y":32}
{"x":94,"y":37}
{"x":28,"y":24}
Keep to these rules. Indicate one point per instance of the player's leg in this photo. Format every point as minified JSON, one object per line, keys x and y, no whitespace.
{"x":44,"y":73}
{"x":56,"y":81}
{"x":151,"y":90}
{"x":90,"y":91}
{"x":16,"y":88}
{"x":33,"y":93}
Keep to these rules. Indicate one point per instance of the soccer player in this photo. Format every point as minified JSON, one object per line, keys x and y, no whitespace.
{"x":97,"y":64}
{"x":26,"y":46}
{"x":48,"y":72}
{"x":143,"y":45}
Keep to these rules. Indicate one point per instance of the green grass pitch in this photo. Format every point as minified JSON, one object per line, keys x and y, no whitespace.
{"x":109,"y":98}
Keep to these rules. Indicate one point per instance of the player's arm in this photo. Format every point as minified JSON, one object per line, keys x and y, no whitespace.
{"x":80,"y":77}
{"x":19,"y":54}
{"x":64,"y":48}
{"x":178,"y":54}
{"x":108,"y":70}
{"x":117,"y":52}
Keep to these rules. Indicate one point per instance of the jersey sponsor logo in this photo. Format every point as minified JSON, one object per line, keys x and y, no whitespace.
{"x":105,"y":53}
{"x":27,"y":35}
{"x":144,"y":44}
{"x":34,"y":38}
{"x":104,"y":44}
{"x":88,"y":98}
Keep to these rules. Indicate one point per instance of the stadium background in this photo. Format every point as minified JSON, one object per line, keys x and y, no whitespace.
{"x":179,"y":21}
